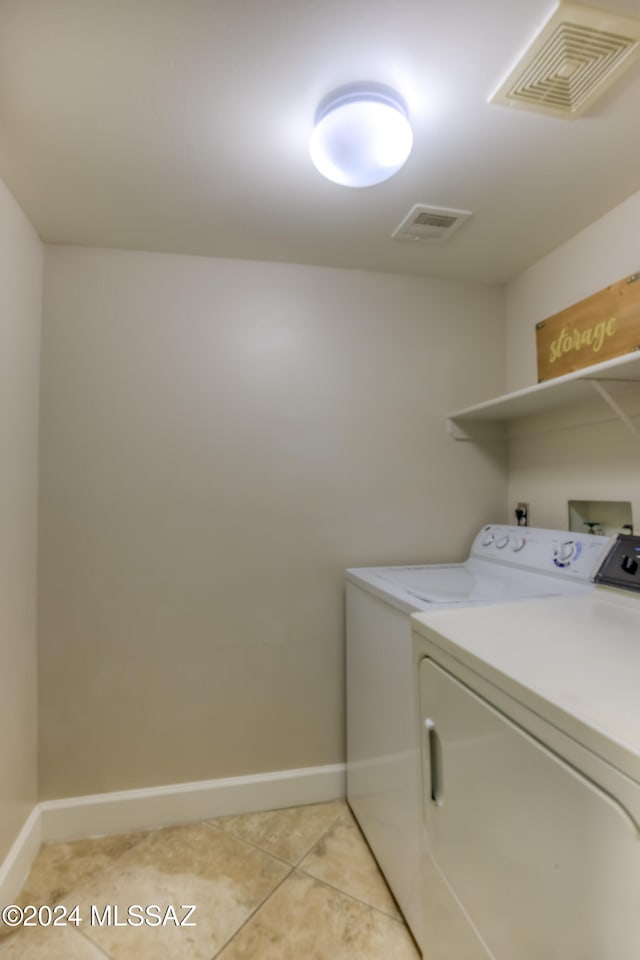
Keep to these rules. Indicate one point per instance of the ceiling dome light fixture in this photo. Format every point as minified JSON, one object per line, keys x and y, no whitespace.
{"x":362,"y":135}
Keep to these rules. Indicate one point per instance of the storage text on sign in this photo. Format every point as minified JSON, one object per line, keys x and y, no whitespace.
{"x":601,"y":327}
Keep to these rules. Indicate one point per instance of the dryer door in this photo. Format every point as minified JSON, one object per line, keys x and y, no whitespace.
{"x":543,"y":863}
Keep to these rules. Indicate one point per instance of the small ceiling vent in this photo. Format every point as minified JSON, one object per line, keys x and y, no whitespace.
{"x":430,"y":224}
{"x":578,"y":53}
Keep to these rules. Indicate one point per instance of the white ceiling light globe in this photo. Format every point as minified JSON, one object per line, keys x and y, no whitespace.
{"x":362,"y":136}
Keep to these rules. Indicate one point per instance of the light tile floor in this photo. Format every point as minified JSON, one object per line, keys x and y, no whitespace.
{"x":294,"y":884}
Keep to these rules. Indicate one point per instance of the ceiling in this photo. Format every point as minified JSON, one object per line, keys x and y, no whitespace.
{"x":183,"y":125}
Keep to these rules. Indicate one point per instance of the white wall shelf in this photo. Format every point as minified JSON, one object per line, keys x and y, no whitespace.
{"x":489,"y":419}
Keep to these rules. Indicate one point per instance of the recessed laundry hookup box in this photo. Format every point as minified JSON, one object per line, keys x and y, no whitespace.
{"x":603,"y":326}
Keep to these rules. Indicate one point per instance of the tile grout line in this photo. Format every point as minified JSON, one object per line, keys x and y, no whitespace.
{"x":255,"y":910}
{"x":275,"y":856}
{"x":250,"y":843}
{"x":320,"y":838}
{"x":95,"y":945}
{"x":351,"y":896}
{"x":400,"y":919}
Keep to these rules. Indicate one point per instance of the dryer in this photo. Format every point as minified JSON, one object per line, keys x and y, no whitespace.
{"x":530,"y":727}
{"x":383,"y":767}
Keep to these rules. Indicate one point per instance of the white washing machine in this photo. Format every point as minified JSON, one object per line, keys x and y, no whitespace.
{"x":383,"y":767}
{"x":530,"y":726}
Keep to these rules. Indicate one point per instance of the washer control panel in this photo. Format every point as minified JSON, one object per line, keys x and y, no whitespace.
{"x":621,"y":568}
{"x":576,"y":555}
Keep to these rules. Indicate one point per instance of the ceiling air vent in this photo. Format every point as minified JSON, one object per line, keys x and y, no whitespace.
{"x":430,"y":224}
{"x":578,"y":53}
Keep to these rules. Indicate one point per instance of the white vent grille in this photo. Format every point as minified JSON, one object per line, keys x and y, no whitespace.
{"x":430,"y":224}
{"x":578,"y":53}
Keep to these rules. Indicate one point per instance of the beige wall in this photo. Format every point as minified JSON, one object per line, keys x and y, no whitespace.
{"x":219,"y":440}
{"x":20,"y":309}
{"x":564,"y":457}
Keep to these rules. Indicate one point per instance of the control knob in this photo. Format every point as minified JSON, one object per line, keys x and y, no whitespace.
{"x":518,"y":544}
{"x":629,"y":565}
{"x":488,"y":540}
{"x":501,"y":542}
{"x":566,"y":552}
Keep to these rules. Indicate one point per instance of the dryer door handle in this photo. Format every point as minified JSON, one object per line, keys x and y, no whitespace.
{"x":434,"y":749}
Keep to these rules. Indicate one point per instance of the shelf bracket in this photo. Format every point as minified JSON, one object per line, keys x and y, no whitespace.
{"x":617,"y":409}
{"x":476,"y":430}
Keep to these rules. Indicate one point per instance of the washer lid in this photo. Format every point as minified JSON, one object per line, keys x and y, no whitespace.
{"x":437,"y":583}
{"x":470,"y":582}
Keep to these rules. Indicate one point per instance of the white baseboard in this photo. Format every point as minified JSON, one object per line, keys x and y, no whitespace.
{"x":17,"y":863}
{"x":129,"y":810}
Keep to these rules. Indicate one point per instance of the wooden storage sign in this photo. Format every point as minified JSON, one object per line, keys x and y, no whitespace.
{"x":603,"y":326}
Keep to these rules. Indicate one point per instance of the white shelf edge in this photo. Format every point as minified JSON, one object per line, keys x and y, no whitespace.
{"x":569,"y":388}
